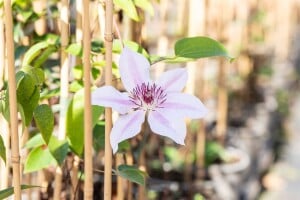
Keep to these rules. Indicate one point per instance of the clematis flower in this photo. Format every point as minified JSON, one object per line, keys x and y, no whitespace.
{"x":160,"y":102}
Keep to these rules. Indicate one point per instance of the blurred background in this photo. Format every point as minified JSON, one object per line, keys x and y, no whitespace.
{"x":246,"y":148}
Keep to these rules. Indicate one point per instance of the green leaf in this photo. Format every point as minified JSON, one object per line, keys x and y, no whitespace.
{"x":132,"y":173}
{"x":78,"y":71}
{"x":19,"y":51}
{"x":36,"y":73}
{"x":124,"y":146}
{"x":74,"y":49}
{"x":97,"y":46}
{"x":44,"y":120}
{"x":39,"y":158}
{"x":27,"y":95}
{"x":76,"y":85}
{"x":117,"y":47}
{"x":35,"y":141}
{"x":99,"y":136}
{"x":33,"y":52}
{"x":46,"y":94}
{"x":145,"y":5}
{"x":128,"y":7}
{"x":75,"y":118}
{"x":199,"y":47}
{"x":5,"y":106}
{"x":2,"y":149}
{"x":213,"y":151}
{"x":155,"y":59}
{"x":10,"y":191}
{"x":59,"y":149}
{"x":44,"y":56}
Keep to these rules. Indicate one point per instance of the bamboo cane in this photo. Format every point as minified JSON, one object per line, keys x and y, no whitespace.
{"x":64,"y":87}
{"x":64,"y":72}
{"x":108,"y":112}
{"x":15,"y":156}
{"x":129,"y":161}
{"x":196,"y":26}
{"x":4,"y":168}
{"x":74,"y":179}
{"x":201,"y":135}
{"x":88,"y":145}
{"x":2,"y":49}
{"x":142,"y":166}
{"x":222,"y":75}
{"x":120,"y":180}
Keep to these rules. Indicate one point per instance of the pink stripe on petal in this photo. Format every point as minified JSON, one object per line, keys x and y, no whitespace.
{"x":134,"y":69}
{"x":108,"y":96}
{"x":127,"y":126}
{"x":173,"y":80}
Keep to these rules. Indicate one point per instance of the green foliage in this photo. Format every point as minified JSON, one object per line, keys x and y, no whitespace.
{"x":199,"y":47}
{"x":282,"y":98}
{"x":198,"y":197}
{"x":2,"y":149}
{"x":97,"y":46}
{"x":173,"y":156}
{"x":27,"y":96}
{"x":39,"y":158}
{"x":132,"y":173}
{"x":189,"y":49}
{"x":36,"y":73}
{"x":35,"y":141}
{"x":33,"y":52}
{"x":128,"y":7}
{"x":145,"y":5}
{"x":44,"y":55}
{"x":99,"y":136}
{"x":58,"y":149}
{"x":213,"y":152}
{"x":75,"y":49}
{"x":10,"y":191}
{"x":75,"y":123}
{"x":117,"y":47}
{"x":44,"y":119}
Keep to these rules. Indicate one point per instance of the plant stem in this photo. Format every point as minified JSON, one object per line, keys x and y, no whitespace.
{"x":15,"y":156}
{"x":108,"y":36}
{"x":88,"y":143}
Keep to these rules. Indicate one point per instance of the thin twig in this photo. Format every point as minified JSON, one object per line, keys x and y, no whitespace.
{"x":15,"y":156}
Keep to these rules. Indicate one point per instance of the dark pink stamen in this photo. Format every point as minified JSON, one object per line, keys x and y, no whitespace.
{"x":148,"y":96}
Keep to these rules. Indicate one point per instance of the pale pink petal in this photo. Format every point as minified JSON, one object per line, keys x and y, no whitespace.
{"x":173,"y":80}
{"x":134,"y":69}
{"x":185,"y":105}
{"x":108,"y":96}
{"x":167,"y":125}
{"x":127,"y":126}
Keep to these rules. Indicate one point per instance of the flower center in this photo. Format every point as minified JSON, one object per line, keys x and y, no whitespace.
{"x":148,"y":96}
